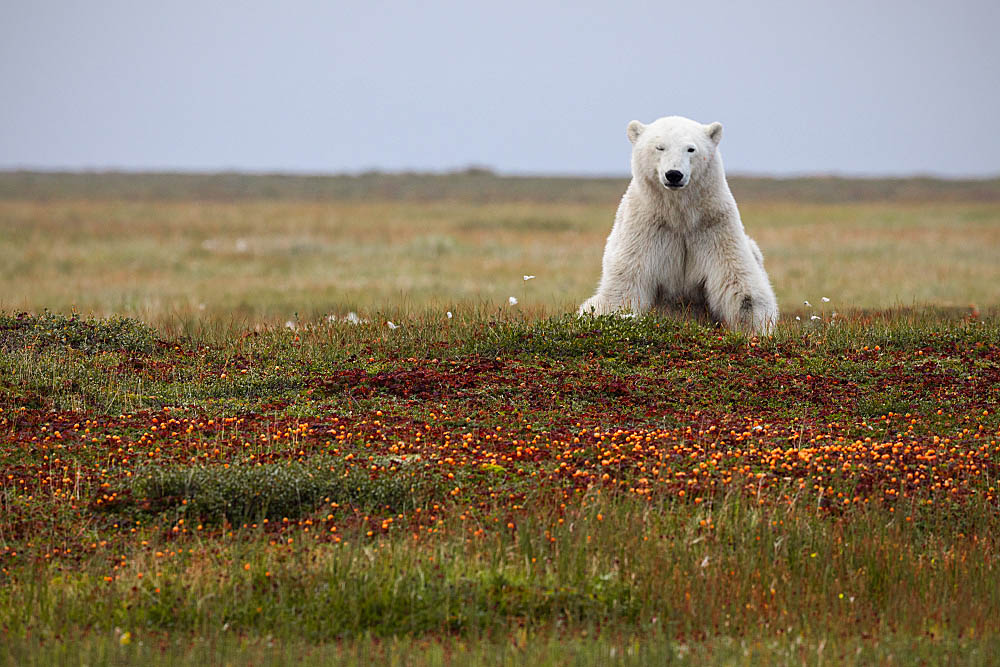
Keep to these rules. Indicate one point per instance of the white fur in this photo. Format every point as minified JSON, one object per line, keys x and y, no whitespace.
{"x":683,"y":246}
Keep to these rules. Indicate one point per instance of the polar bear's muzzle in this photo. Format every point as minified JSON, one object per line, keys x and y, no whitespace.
{"x":674,"y":179}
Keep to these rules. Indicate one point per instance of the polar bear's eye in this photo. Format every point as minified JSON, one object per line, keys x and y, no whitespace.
{"x":690,"y":149}
{"x":661,"y":147}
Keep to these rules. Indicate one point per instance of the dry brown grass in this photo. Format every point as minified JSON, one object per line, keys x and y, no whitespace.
{"x":259,"y":259}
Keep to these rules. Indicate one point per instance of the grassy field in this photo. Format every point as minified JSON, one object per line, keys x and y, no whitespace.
{"x":507,"y":485}
{"x":249,"y":259}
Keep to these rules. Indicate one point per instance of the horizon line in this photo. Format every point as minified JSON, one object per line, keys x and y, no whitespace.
{"x":470,"y":170}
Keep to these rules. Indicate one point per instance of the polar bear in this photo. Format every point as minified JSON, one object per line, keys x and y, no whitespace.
{"x":677,"y":239}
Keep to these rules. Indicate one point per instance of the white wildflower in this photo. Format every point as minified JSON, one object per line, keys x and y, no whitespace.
{"x":290,"y":325}
{"x":806,"y":303}
{"x":798,"y":318}
{"x":512,"y":300}
{"x":826,"y":299}
{"x":449,"y":314}
{"x":391,"y":325}
{"x":815,"y":317}
{"x":704,"y":561}
{"x":529,"y":278}
{"x":351,"y":318}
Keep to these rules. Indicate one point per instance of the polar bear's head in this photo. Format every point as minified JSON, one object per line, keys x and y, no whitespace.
{"x":672,"y":152}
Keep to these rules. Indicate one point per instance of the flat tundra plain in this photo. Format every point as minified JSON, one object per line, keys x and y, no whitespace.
{"x":263,"y":249}
{"x":216,"y":448}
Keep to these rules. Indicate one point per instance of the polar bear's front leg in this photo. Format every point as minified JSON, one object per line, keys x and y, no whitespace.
{"x":736,"y":286}
{"x":621,"y":289}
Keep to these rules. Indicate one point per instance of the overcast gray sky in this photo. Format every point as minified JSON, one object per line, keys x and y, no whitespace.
{"x":851,"y":87}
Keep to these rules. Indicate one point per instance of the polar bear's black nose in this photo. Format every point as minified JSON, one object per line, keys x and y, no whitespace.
{"x":673,"y":176}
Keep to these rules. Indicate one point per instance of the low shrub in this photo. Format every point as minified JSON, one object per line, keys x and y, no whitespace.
{"x":244,"y":493}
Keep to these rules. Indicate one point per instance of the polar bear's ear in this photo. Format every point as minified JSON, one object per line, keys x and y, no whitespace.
{"x":714,"y":132}
{"x":635,"y":129}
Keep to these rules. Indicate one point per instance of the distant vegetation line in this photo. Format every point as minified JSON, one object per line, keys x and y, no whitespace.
{"x":475,"y":185}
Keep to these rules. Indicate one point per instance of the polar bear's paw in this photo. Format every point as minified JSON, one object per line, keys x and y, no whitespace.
{"x":595,"y":306}
{"x":756,"y":316}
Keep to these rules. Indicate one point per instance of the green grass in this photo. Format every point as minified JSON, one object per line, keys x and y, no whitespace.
{"x":248,"y":493}
{"x":526,"y":649}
